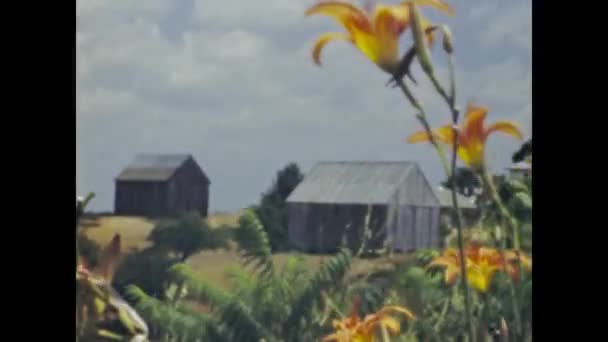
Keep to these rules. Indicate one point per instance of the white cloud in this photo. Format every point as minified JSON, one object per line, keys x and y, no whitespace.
{"x":238,"y":89}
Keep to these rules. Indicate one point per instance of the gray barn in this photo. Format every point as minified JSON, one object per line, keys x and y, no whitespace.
{"x":161,"y":185}
{"x":331,"y":203}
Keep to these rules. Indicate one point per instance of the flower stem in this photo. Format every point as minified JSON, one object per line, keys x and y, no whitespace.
{"x":385,"y":336}
{"x":451,"y":102}
{"x":501,"y":207}
{"x":516,"y":244}
{"x":421,"y":116}
{"x":449,"y":170}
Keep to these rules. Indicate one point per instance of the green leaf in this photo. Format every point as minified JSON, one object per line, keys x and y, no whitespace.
{"x":524,"y":200}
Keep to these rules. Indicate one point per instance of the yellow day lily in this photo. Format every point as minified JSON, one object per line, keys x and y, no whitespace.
{"x":472,"y":135}
{"x":375,"y":32}
{"x":482,"y":263}
{"x":353,"y":329}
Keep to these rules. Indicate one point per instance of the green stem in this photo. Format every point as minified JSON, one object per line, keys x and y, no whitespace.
{"x":385,"y":337}
{"x":513,"y":227}
{"x":449,"y":170}
{"x":441,"y":318}
{"x":421,"y":116}
{"x":450,"y":100}
{"x":516,"y":244}
{"x":485,"y":317}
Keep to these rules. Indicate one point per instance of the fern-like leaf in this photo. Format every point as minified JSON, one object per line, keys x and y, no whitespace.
{"x":167,"y":319}
{"x":327,"y":277}
{"x":199,"y":288}
{"x":254,"y":245}
{"x":239,"y":323}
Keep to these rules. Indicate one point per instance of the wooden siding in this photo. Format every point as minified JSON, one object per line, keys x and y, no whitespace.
{"x":187,"y":190}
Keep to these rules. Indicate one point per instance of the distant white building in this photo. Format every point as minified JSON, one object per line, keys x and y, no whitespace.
{"x":520,"y":170}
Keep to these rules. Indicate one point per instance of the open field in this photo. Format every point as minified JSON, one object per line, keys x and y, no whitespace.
{"x":214,"y":266}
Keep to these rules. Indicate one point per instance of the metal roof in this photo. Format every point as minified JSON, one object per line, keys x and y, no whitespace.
{"x":352,"y":182}
{"x":520,"y":166}
{"x":445,"y":198}
{"x":153,"y":167}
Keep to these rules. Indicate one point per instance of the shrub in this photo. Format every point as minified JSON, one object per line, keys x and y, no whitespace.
{"x":187,"y":235}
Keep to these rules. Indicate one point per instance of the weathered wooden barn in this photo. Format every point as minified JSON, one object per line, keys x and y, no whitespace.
{"x":161,"y":185}
{"x":330,"y":205}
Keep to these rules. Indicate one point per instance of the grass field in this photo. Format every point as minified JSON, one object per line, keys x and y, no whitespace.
{"x":214,"y":266}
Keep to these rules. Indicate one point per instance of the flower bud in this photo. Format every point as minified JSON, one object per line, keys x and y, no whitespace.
{"x":422,"y":50}
{"x":447,"y":39}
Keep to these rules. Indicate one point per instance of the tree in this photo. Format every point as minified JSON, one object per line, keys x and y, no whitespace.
{"x":523,"y":153}
{"x":187,"y":235}
{"x":272,"y":210}
{"x":465,"y":180}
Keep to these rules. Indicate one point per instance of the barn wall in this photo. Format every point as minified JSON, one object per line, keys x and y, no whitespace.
{"x":188,"y":190}
{"x":140,"y":198}
{"x":322,"y":227}
{"x":416,"y":190}
{"x":297,"y":216}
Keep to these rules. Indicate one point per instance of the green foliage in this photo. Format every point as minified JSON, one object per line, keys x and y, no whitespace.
{"x":187,"y":235}
{"x":422,"y":257}
{"x":266,"y":302}
{"x":272,"y":210}
{"x":327,"y":277}
{"x":88,"y":250}
{"x":199,"y":289}
{"x":254,"y":244}
{"x":235,"y":318}
{"x":524,"y":152}
{"x":172,"y":319}
{"x":146,"y":269}
{"x":465,"y":180}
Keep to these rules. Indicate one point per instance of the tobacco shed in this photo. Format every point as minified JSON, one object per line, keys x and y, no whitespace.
{"x":331,"y":204}
{"x":161,"y":185}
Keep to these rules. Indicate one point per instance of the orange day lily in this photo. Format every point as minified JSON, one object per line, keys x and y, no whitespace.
{"x":472,"y":135}
{"x":482,"y":263}
{"x":353,"y":329}
{"x":375,"y":32}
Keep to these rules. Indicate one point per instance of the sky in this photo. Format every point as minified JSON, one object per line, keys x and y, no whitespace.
{"x":232,"y":82}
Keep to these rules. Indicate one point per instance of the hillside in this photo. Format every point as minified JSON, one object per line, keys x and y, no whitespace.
{"x":214,"y":266}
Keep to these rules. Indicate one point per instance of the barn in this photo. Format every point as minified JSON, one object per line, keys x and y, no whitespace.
{"x":331,"y":203}
{"x":156,"y":185}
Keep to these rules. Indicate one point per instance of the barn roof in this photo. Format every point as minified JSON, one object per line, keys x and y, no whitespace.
{"x":520,"y":166}
{"x":354,"y":182}
{"x":153,"y":167}
{"x":445,"y":198}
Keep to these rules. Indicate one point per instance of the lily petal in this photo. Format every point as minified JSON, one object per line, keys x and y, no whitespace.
{"x":478,"y":279}
{"x":473,"y":122}
{"x":398,"y":309}
{"x":344,"y":13}
{"x":437,"y":4}
{"x":444,"y":134}
{"x":506,"y":127}
{"x":323,"y":40}
{"x":451,"y":274}
{"x":417,"y":137}
{"x":389,"y":23}
{"x":392,"y":325}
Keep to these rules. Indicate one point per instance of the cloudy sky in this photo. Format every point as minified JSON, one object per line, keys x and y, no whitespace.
{"x":232,"y":83}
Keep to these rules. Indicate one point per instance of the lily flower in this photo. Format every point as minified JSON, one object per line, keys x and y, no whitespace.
{"x":511,"y":258}
{"x":353,"y":329}
{"x":482,"y":263}
{"x":472,"y":135}
{"x":375,"y":32}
